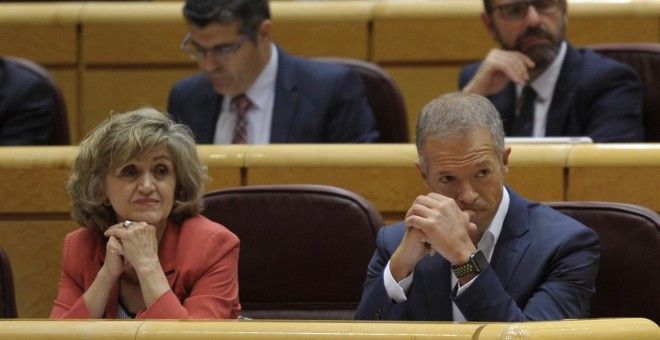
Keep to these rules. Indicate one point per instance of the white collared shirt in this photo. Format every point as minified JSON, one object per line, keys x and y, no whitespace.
{"x":260,"y":113}
{"x":397,"y":291}
{"x":544,"y":86}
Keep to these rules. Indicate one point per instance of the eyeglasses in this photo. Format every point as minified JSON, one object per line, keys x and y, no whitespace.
{"x":221,"y":52}
{"x":518,"y":10}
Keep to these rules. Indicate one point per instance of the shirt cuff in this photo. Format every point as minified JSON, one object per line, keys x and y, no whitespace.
{"x":396,"y":290}
{"x":462,"y":288}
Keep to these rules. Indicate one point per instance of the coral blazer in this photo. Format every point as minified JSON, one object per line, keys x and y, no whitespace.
{"x":199,"y":259}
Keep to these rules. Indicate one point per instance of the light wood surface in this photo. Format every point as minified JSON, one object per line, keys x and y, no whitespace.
{"x":596,"y":329}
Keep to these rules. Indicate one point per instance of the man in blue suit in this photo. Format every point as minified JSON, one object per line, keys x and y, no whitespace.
{"x":473,"y":249}
{"x":576,"y":92}
{"x":27,"y":106}
{"x":283,"y":99}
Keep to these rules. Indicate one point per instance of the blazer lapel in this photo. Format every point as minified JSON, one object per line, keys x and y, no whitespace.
{"x":2,"y":81}
{"x":286,"y":96}
{"x":511,"y":246}
{"x":560,"y":109}
{"x":208,"y":113}
{"x":437,"y":283}
{"x":505,"y":102}
{"x":167,"y":252}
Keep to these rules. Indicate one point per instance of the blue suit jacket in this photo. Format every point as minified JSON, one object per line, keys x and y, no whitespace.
{"x":543,"y":268}
{"x":27,"y":106}
{"x":315,"y":102}
{"x":594,"y":96}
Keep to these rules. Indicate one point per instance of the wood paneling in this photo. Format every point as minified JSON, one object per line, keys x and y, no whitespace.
{"x":616,"y":173}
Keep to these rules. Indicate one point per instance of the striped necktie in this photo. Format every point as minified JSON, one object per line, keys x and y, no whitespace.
{"x":241,"y":104}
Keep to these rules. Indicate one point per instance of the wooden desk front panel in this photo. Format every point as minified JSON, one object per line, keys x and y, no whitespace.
{"x":135,"y":33}
{"x":428,"y":31}
{"x":320,"y":29}
{"x":386,"y":175}
{"x":392,"y":190}
{"x":133,"y":43}
{"x":627,"y":173}
{"x":42,"y":32}
{"x":71,"y":329}
{"x":613,"y":22}
{"x":538,"y":172}
{"x":383,"y":174}
{"x":636,"y":185}
{"x":613,"y":328}
{"x":125,"y":89}
{"x":67,"y":80}
{"x":34,"y":248}
{"x":339,"y":38}
{"x":421,"y":83}
{"x":225,"y":165}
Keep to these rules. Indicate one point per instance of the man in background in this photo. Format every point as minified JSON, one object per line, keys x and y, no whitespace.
{"x":543,"y":86}
{"x":250,"y":91}
{"x":27,"y":106}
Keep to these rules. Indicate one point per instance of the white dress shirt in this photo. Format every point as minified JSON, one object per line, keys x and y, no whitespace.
{"x":397,"y":291}
{"x":260,"y":113}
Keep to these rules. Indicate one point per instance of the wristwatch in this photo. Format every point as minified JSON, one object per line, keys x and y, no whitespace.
{"x":476,"y":264}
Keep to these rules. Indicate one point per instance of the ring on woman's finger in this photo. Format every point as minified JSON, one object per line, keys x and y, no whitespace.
{"x":127,"y":224}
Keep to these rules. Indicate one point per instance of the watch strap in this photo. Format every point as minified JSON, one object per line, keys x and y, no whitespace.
{"x":463,"y":269}
{"x":476,"y":263}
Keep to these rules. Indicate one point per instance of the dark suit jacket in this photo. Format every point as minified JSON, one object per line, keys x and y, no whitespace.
{"x":595,"y":96}
{"x":200,"y":261}
{"x":543,"y":268}
{"x":27,"y":106}
{"x":315,"y":102}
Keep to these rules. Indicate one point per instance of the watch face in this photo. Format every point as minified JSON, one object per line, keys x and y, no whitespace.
{"x":478,"y":260}
{"x":476,"y":264}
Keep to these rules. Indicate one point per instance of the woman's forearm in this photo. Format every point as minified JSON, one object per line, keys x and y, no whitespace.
{"x":96,"y":297}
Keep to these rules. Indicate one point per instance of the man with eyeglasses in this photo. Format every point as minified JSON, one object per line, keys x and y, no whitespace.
{"x":250,"y":91}
{"x":543,"y":86}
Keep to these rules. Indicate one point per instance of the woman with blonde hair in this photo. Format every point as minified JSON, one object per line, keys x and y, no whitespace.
{"x":145,"y":251}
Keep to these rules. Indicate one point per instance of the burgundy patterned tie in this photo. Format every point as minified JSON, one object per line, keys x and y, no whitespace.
{"x":241,"y":103}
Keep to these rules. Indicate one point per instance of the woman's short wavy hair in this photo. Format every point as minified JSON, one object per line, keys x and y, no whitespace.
{"x":118,"y":140}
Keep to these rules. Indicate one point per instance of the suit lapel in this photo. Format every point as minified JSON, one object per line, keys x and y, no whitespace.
{"x":2,"y":81}
{"x":437,"y":286}
{"x":511,"y":246}
{"x":505,"y":102}
{"x":167,"y":251}
{"x":208,"y":114}
{"x":560,"y":108}
{"x":286,"y":96}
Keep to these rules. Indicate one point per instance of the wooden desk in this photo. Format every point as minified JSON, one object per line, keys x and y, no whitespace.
{"x":627,"y":173}
{"x":597,"y":329}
